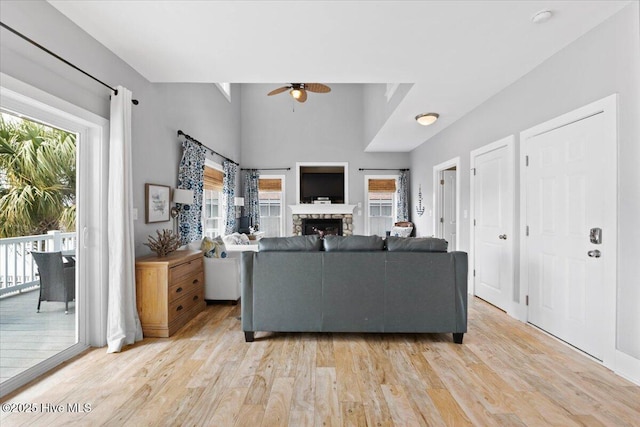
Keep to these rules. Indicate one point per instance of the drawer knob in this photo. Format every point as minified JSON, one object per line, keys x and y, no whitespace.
{"x":179,"y":290}
{"x":178,"y":308}
{"x":195,"y":298}
{"x":195,"y":281}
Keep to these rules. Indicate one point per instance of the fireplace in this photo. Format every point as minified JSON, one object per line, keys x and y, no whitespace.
{"x":340,"y":218}
{"x":322,"y":226}
{"x":336,"y":224}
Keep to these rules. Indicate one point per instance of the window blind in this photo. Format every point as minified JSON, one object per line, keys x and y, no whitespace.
{"x":267,"y":184}
{"x":213,"y":179}
{"x":382,"y":186}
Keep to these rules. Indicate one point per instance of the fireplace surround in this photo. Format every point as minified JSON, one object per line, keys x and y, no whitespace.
{"x":334,"y":212}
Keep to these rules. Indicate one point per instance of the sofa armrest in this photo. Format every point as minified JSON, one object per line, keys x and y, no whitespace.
{"x":461,"y":268}
{"x":246,"y":280}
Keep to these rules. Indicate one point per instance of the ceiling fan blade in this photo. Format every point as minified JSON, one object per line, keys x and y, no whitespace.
{"x":279,"y":90}
{"x":317,"y":87}
{"x":303,"y":96}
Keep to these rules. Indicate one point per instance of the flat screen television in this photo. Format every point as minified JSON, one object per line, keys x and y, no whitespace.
{"x":315,"y":185}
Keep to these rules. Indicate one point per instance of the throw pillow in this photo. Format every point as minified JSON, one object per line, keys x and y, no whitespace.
{"x":213,"y":248}
{"x":401,"y":231}
{"x":220,"y":250}
{"x":237,"y":239}
{"x":207,"y":247}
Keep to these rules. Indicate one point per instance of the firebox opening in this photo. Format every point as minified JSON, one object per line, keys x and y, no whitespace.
{"x":323,"y":227}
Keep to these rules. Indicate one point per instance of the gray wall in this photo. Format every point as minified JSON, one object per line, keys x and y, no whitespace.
{"x":602,"y":62}
{"x":198,"y":109}
{"x":327,"y":128}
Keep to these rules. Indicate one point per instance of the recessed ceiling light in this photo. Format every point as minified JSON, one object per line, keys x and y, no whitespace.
{"x":427,"y":119}
{"x":542,"y":16}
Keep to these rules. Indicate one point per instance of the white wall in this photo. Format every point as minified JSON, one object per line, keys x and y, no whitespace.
{"x":198,"y":109}
{"x":377,"y":109}
{"x":602,"y":62}
{"x":327,"y":128}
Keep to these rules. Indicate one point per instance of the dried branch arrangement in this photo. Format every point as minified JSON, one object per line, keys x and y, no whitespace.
{"x":165,"y":243}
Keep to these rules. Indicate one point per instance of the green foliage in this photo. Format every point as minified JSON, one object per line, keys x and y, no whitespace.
{"x":37,"y":178}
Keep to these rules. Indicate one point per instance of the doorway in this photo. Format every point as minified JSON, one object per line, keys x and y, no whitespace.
{"x":87,"y":313}
{"x":446,"y":194}
{"x":569,"y":209}
{"x":492,"y":211}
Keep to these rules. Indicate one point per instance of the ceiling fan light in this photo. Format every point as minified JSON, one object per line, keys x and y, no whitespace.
{"x":427,"y":119}
{"x":296,"y":93}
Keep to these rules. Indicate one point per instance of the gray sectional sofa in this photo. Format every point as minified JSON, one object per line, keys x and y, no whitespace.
{"x":354,"y":284}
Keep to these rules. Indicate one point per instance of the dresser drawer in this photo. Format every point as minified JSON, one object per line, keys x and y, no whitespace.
{"x":177,"y":273}
{"x":185,"y":303}
{"x":186,"y":285}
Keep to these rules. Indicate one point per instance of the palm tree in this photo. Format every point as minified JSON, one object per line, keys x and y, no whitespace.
{"x":37,"y":178}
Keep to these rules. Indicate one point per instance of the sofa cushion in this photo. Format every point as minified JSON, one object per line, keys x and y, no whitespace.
{"x":353,"y":243}
{"x":416,"y":244}
{"x":290,"y":244}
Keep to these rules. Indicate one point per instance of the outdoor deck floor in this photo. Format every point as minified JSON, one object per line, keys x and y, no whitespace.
{"x":26,"y":337}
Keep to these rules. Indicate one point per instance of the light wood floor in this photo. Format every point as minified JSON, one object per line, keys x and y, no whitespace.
{"x":505,"y":374}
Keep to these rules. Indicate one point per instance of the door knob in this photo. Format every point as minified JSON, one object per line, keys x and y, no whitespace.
{"x":594,"y":254}
{"x":502,"y":237}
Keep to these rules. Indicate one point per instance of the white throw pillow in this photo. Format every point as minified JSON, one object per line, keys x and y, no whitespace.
{"x":401,"y":231}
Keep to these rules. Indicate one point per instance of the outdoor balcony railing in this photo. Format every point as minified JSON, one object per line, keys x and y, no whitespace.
{"x":18,"y":270}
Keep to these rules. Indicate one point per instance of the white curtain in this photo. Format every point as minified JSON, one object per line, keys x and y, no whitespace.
{"x":123,"y":323}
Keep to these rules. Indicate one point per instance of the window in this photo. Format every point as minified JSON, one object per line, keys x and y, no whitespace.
{"x":212,"y":201}
{"x":381,"y":204}
{"x":271,"y":195}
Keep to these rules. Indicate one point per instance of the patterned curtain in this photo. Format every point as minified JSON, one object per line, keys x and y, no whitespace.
{"x":251,"y":201}
{"x":191,"y":177}
{"x":402,"y":205}
{"x":230,"y":170}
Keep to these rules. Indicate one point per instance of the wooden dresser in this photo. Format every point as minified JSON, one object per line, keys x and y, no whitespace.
{"x":169,"y":291}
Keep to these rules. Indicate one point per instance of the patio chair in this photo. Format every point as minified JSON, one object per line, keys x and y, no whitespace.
{"x":57,"y":279}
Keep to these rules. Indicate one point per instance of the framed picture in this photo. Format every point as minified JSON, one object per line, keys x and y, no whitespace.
{"x":156,"y":203}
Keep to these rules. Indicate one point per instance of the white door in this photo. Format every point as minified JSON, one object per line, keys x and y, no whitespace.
{"x":449,"y":207}
{"x":493,"y":219}
{"x":564,"y":188}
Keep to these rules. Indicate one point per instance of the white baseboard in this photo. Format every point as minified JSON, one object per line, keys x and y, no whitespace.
{"x":627,"y":367}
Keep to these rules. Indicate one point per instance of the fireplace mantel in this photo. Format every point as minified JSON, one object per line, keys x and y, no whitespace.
{"x":321,"y":209}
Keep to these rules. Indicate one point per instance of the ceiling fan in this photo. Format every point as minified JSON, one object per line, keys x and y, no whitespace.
{"x":299,"y":90}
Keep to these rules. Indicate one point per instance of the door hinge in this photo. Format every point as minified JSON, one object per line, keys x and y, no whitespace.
{"x":526,"y":231}
{"x":474,"y":272}
{"x":474,"y":222}
{"x":526,"y":160}
{"x":474,"y":171}
{"x":441,"y":220}
{"x":442,"y":182}
{"x":526,"y":300}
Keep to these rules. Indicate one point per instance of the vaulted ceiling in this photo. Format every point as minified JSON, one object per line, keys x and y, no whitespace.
{"x":457,"y":54}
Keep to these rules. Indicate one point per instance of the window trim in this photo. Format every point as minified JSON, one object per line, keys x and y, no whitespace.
{"x":367,"y":222}
{"x":283,"y":194}
{"x":210,"y":163}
